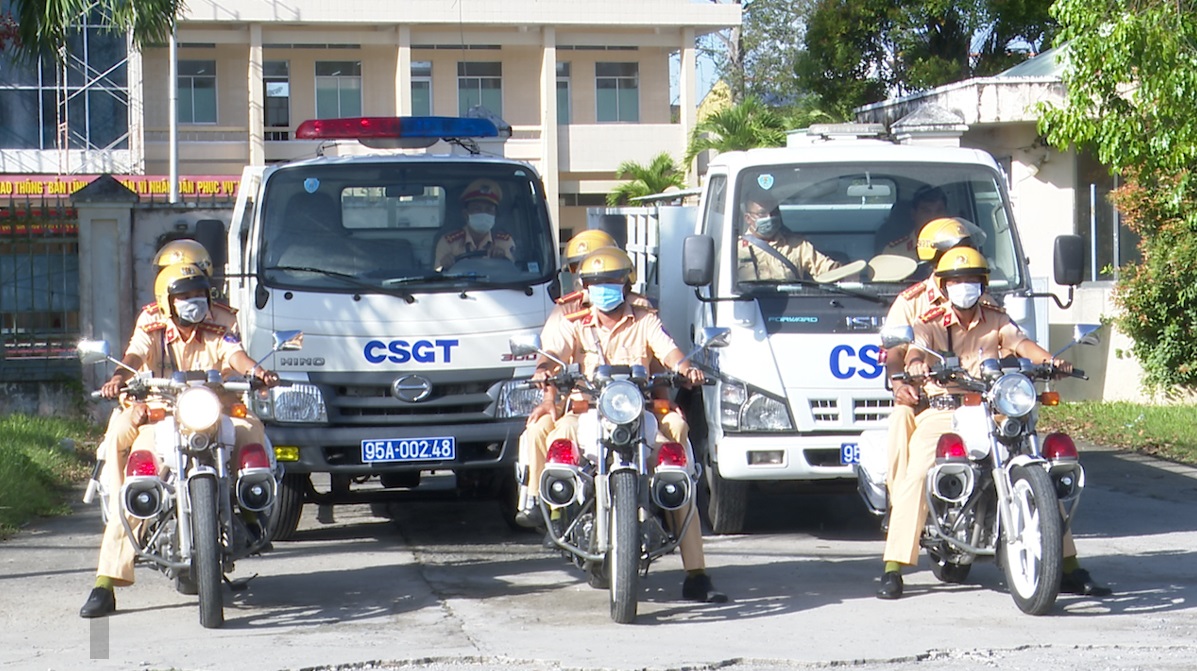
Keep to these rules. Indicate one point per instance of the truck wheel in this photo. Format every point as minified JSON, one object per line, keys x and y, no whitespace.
{"x":727,"y":502}
{"x":288,"y":507}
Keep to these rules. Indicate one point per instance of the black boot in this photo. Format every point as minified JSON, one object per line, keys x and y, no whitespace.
{"x":99,"y":603}
{"x":699,"y":588}
{"x":1079,"y":582}
{"x":891,"y":585}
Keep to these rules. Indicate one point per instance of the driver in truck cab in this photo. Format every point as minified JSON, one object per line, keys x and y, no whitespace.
{"x":768,"y":251}
{"x":480,"y":205}
{"x":970,"y":324}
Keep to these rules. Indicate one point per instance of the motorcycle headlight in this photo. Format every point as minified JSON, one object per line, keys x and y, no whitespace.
{"x":198,"y":408}
{"x":765,"y":413}
{"x":298,"y":402}
{"x":1014,"y":395}
{"x":515,"y":400}
{"x":620,"y":402}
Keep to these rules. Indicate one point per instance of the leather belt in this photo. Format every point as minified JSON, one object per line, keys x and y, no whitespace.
{"x":945,"y":402}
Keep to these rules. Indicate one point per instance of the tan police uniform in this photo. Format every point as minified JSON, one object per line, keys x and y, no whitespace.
{"x":992,"y":334}
{"x":461,"y":241}
{"x":155,"y":339}
{"x":636,"y":339}
{"x":903,"y":246}
{"x":758,"y":264}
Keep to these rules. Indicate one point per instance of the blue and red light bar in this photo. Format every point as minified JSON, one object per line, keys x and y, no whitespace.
{"x":390,"y":127}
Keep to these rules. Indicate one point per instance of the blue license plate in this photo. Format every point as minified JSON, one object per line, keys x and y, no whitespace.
{"x":849,"y":453}
{"x":408,"y":449}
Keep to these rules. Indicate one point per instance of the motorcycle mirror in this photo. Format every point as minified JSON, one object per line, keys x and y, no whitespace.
{"x":896,"y":336}
{"x":524,"y":344}
{"x":92,"y":351}
{"x":712,"y":336}
{"x":1086,"y":334}
{"x":287,"y":341}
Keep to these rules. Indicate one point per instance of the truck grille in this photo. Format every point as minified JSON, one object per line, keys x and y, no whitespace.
{"x":833,"y":413}
{"x":871,"y":409}
{"x":825,"y":410}
{"x":367,"y":399}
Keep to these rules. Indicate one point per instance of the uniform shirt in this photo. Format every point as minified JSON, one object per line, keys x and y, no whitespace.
{"x":635,"y":340}
{"x":757,"y":264}
{"x":212,"y":344}
{"x":990,"y":335}
{"x":461,"y":241}
{"x":903,"y":246}
{"x":574,"y":304}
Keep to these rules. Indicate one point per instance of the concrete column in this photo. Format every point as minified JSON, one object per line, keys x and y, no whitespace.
{"x":257,"y":98}
{"x":403,"y":72}
{"x":688,"y":96}
{"x":136,"y":108}
{"x":549,"y":165}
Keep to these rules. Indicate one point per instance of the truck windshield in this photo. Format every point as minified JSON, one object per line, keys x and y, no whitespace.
{"x":425,"y":225}
{"x":821,"y":220}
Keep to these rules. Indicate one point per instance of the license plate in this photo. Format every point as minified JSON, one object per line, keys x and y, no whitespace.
{"x":849,"y":453}
{"x":408,"y":449}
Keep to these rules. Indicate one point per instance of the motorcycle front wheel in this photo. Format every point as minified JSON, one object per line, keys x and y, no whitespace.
{"x":205,"y":557}
{"x":1032,"y":543}
{"x":624,"y":556}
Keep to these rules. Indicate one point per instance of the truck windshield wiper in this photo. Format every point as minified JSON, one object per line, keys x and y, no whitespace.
{"x":790,"y":285}
{"x":351,"y":279}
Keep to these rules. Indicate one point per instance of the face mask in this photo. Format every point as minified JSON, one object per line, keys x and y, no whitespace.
{"x":606,"y":297}
{"x":482,"y":222}
{"x":766,"y":227}
{"x":191,"y":310}
{"x":964,"y":296}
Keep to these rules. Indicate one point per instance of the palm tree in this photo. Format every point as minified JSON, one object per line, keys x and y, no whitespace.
{"x":742,"y":126}
{"x":661,"y":173}
{"x":42,"y":26}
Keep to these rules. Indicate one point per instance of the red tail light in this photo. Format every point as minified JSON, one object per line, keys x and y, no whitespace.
{"x":254,"y":456}
{"x":1059,"y":446}
{"x":671,"y":454}
{"x":563,"y":451}
{"x":141,"y":462}
{"x":951,"y":446}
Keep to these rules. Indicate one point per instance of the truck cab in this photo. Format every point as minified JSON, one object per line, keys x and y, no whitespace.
{"x":405,"y":381}
{"x":802,"y":377}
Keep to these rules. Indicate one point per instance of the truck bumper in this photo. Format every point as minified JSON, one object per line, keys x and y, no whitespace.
{"x":337,"y":450}
{"x":783,"y":457}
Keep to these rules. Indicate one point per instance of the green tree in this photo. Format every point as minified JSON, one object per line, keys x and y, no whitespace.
{"x":742,"y":126}
{"x":41,"y":27}
{"x":758,"y":58}
{"x":659,"y":174}
{"x":1131,"y":82}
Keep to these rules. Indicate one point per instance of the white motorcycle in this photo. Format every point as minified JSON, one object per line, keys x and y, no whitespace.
{"x":996,"y":488}
{"x":605,"y":498}
{"x":196,"y":513}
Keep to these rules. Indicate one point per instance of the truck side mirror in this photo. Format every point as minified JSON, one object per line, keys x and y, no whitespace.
{"x":1069,"y":260}
{"x":698,"y":260}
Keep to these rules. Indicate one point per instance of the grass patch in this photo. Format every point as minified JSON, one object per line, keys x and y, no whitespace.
{"x":36,"y":473}
{"x":1166,"y":431}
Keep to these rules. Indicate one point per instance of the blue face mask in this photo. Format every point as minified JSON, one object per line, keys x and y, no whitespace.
{"x":606,"y":297}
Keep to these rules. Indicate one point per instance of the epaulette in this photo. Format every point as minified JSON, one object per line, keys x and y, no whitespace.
{"x":224,"y":306}
{"x":639,"y":301}
{"x":153,"y":326}
{"x":575,"y":316}
{"x":152,"y":309}
{"x":455,"y":235}
{"x":913,"y":290}
{"x":932,"y":314}
{"x":500,"y":235}
{"x":573,"y":296}
{"x":211,"y":328}
{"x":992,"y":306}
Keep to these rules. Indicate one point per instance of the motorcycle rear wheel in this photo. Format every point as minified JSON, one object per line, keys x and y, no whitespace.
{"x":205,"y":558}
{"x":624,"y":556}
{"x":1032,"y":550}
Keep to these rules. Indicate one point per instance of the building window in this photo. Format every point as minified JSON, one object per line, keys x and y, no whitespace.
{"x":421,"y":88}
{"x":563,"y":93}
{"x":197,"y":91}
{"x":618,"y":92}
{"x":480,"y":84}
{"x":1109,"y":244}
{"x":338,"y":89}
{"x":276,"y":78}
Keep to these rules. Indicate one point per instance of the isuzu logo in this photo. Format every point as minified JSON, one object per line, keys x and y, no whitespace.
{"x":412,"y":388}
{"x":863,"y":323}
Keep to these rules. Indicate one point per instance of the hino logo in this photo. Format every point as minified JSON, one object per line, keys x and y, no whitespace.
{"x":863,"y":323}
{"x":412,"y":388}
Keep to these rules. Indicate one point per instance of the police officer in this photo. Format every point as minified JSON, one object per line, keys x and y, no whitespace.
{"x":769,"y":251}
{"x":615,"y":332}
{"x":975,"y":328}
{"x":181,"y":332}
{"x":480,"y":204}
{"x":928,"y":204}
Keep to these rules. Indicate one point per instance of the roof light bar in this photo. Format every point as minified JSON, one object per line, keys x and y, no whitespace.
{"x":378,"y":127}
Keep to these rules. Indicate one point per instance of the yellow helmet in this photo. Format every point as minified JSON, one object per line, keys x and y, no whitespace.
{"x":176,"y":279}
{"x":585,"y":242}
{"x":940,"y":235}
{"x":184,"y":251}
{"x":962,"y":262}
{"x":608,"y":265}
{"x":484,"y":190}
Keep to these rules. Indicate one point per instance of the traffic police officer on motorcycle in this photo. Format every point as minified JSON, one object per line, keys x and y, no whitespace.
{"x":180,"y":331}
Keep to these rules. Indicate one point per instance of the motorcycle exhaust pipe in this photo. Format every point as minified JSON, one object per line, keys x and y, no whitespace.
{"x":952,"y":482}
{"x":255,"y":489}
{"x":671,"y":488}
{"x":143,"y":497}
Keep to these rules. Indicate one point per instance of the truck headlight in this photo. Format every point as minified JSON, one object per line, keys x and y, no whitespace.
{"x":197,"y":408}
{"x":742,"y":408}
{"x":517,"y":399}
{"x":299,"y":402}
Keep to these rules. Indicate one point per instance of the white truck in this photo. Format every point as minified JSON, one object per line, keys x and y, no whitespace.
{"x":801,"y":379}
{"x":405,"y":371}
